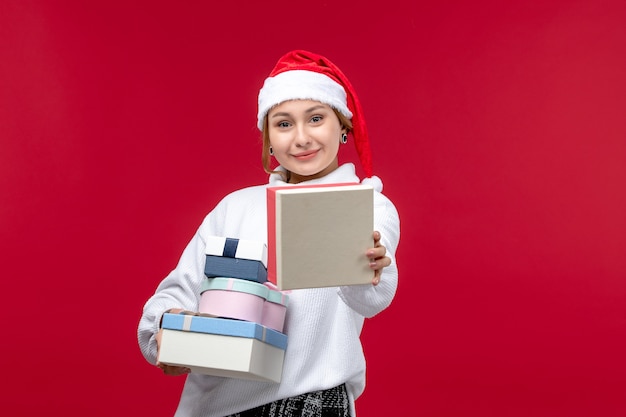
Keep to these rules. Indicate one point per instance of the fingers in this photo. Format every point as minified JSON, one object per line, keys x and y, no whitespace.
{"x":172,"y":370}
{"x":376,"y":236}
{"x":376,"y":279}
{"x":377,"y":258}
{"x":157,"y":337}
{"x":376,"y":252}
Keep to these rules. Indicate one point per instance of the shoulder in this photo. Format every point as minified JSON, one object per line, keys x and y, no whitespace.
{"x":381,"y":201}
{"x":242,"y":199}
{"x":233,"y":207}
{"x":384,"y":209}
{"x":244,"y":194}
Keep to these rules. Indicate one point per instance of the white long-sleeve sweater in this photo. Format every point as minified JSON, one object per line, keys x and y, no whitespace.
{"x":323,"y":325}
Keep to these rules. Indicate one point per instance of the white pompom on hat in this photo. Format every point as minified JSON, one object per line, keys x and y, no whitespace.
{"x":303,"y":75}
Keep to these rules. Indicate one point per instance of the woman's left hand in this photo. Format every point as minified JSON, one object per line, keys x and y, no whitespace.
{"x":377,"y":258}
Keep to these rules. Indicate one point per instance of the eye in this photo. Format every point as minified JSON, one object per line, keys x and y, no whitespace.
{"x":317,"y":118}
{"x":283,"y":124}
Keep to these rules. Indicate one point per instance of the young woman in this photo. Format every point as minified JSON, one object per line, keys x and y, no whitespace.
{"x":307,"y":108}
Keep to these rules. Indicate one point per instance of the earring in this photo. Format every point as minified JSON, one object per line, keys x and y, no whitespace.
{"x":271,"y":151}
{"x":344,"y":138}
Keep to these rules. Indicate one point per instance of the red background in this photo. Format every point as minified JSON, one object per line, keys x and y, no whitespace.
{"x":499,"y":131}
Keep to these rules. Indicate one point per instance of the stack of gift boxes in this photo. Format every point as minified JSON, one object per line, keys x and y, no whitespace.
{"x":238,"y":329}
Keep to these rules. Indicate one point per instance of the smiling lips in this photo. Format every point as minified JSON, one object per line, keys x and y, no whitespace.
{"x":306,"y":155}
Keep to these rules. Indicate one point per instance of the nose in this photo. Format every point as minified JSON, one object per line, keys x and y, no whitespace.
{"x":302,"y":138}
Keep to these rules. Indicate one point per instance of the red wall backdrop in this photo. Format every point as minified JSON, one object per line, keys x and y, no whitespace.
{"x":498,"y":128}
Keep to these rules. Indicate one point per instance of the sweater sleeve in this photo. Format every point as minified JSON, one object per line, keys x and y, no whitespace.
{"x":369,"y":300}
{"x":179,"y":289}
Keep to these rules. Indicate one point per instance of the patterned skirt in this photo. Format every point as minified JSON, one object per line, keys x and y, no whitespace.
{"x":332,"y":402}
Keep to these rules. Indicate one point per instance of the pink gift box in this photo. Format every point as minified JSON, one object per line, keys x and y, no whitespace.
{"x":233,"y":298}
{"x":274,"y":310}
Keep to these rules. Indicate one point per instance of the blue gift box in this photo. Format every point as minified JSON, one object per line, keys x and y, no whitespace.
{"x":221,"y":266}
{"x":222,"y":347}
{"x":226,"y":327}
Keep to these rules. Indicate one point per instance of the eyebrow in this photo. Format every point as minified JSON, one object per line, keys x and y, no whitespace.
{"x":309,"y":110}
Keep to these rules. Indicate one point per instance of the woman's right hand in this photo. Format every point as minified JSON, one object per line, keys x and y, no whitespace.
{"x":170,"y":369}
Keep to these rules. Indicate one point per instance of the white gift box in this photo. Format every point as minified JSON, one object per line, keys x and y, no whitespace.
{"x":318,"y":235}
{"x":237,"y":248}
{"x":222,"y":347}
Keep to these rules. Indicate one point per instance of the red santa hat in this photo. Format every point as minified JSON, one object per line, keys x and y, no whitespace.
{"x":308,"y":76}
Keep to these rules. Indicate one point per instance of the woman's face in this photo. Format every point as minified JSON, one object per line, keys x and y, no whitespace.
{"x":305,"y":137}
